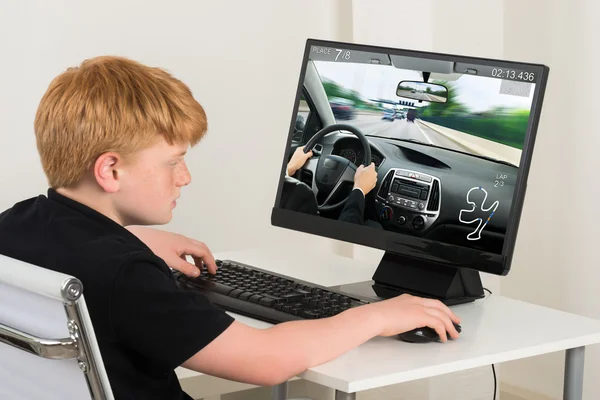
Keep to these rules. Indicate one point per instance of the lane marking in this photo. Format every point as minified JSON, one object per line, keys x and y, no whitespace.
{"x":381,"y":130}
{"x":426,"y":137}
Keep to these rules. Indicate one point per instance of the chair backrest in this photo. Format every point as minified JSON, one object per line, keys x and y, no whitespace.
{"x":48,"y":349}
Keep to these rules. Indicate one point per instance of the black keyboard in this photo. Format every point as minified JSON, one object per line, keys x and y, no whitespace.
{"x":265,"y":295}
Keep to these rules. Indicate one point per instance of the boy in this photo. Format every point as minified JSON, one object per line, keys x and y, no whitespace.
{"x":112,"y":135}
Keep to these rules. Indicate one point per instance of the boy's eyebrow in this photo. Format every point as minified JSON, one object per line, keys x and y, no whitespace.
{"x":181,"y":153}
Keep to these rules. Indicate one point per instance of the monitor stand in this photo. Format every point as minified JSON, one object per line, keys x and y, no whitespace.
{"x":397,"y":274}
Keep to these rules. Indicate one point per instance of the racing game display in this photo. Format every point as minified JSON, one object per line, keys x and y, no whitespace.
{"x":444,"y":138}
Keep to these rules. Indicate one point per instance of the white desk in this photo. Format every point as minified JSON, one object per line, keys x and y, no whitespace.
{"x":495,"y":329}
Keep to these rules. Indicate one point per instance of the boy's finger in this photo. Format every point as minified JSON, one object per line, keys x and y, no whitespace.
{"x":186,"y":268}
{"x":200,"y":253}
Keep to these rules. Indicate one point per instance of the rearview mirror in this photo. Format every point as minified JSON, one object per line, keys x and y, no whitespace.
{"x":416,"y":90}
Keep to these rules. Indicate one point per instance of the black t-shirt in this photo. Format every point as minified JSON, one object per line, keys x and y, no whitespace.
{"x":145,"y":325}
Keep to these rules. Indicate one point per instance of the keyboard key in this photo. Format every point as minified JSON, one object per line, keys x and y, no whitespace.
{"x":289,"y":297}
{"x":265,"y":301}
{"x":235,"y":292}
{"x":255,"y":298}
{"x":276,"y":299}
{"x":309,"y":314}
{"x":245,"y":295}
{"x":212,"y":286}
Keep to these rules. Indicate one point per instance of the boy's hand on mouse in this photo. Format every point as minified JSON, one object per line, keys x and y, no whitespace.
{"x":405,"y":312}
{"x":173,"y":249}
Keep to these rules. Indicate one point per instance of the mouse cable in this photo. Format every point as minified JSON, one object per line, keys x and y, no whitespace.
{"x":494,"y":372}
{"x":493,"y":368}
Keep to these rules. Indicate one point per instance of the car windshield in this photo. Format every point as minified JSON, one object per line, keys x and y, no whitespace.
{"x":478,"y":117}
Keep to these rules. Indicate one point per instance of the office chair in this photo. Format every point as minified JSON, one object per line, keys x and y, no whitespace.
{"x":47,"y":343}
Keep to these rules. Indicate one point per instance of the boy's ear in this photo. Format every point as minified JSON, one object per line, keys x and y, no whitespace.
{"x":107,"y":171}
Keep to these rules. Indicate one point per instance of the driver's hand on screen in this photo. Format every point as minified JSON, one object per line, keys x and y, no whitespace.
{"x":365,"y":178}
{"x":298,"y":160}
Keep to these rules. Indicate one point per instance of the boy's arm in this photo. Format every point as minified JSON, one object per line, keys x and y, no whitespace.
{"x":270,"y":356}
{"x":173,"y":247}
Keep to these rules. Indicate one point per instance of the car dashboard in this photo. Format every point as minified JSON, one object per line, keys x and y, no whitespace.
{"x":422,"y":189}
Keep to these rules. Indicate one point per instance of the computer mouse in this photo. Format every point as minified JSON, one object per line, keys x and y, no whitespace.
{"x":424,"y":335}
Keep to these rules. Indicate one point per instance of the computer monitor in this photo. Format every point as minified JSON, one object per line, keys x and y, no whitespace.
{"x":451,"y":138}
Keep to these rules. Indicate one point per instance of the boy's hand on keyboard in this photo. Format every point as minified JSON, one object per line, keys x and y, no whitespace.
{"x":173,"y":249}
{"x":404,"y":313}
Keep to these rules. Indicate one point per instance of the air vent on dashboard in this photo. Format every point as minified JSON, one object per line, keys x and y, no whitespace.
{"x":434,"y":198}
{"x":385,"y":185}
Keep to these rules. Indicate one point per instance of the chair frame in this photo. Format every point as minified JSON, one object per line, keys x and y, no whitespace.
{"x":77,"y":345}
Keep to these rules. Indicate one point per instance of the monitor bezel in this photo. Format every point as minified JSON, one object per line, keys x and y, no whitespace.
{"x":405,"y":244}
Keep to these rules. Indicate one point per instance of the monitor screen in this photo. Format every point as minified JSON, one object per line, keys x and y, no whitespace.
{"x":449,"y":139}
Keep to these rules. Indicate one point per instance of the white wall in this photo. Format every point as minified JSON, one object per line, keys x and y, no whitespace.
{"x":241,"y":62}
{"x":556,"y":261}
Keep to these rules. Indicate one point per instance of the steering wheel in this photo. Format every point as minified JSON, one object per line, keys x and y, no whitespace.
{"x":331,"y":171}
